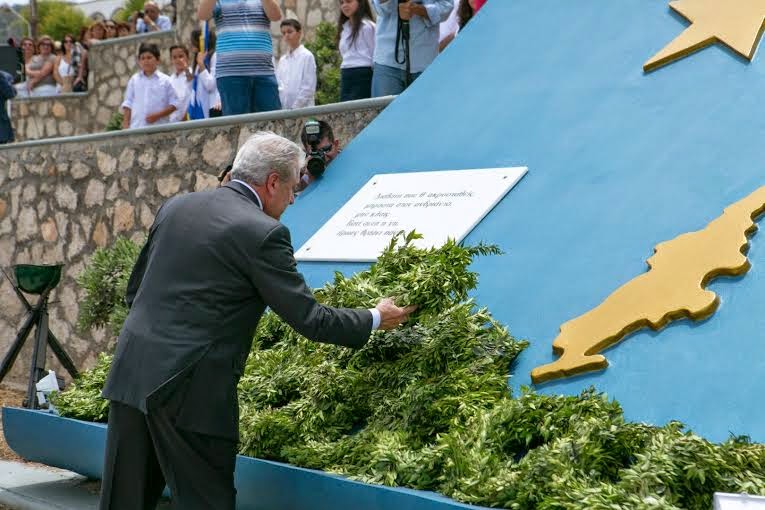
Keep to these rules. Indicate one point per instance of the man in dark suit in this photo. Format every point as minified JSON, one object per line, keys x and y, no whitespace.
{"x":213,"y":262}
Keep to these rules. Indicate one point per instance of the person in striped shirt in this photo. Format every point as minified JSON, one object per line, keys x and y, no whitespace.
{"x":245,"y":67}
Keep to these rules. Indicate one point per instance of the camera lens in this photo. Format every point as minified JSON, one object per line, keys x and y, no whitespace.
{"x":316,"y":166}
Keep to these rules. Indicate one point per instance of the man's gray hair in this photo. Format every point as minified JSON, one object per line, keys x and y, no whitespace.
{"x":265,"y":153}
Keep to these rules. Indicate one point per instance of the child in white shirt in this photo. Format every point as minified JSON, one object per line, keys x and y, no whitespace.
{"x":296,"y":72}
{"x":182,"y":79}
{"x":150,"y":97}
{"x":356,"y":42}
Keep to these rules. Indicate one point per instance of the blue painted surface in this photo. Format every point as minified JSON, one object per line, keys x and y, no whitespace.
{"x":618,"y":162}
{"x":261,"y":485}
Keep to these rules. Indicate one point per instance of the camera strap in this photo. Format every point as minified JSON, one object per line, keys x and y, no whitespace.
{"x":402,"y":39}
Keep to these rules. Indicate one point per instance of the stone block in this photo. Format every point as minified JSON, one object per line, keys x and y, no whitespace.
{"x":65,"y":128}
{"x":29,"y":194}
{"x":49,"y":230}
{"x":9,"y":303}
{"x":314,"y":17}
{"x":217,"y":152}
{"x":205,"y":181}
{"x":162,"y":158}
{"x":114,"y":191}
{"x":107,"y":163}
{"x":120,"y":68}
{"x":59,"y":110}
{"x":76,"y":244}
{"x":168,"y":186}
{"x":147,"y":217}
{"x":66,"y":197}
{"x":7,"y":249}
{"x":42,"y":208}
{"x":26,"y":226}
{"x":79,"y":170}
{"x":124,"y":216}
{"x":126,"y":160}
{"x":146,"y":159}
{"x":114,"y":99}
{"x":101,"y":234}
{"x":94,"y":194}
{"x":62,"y":220}
{"x":102,"y":118}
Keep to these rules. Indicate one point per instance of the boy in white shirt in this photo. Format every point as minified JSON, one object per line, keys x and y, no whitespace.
{"x":182,"y":80}
{"x":150,"y":97}
{"x":296,"y":72}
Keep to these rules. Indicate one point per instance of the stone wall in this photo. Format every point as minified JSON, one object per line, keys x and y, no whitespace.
{"x":112,"y":62}
{"x":61,"y":200}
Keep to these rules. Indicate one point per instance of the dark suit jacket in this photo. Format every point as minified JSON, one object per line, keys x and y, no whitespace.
{"x":212,"y":263}
{"x":7,"y":91}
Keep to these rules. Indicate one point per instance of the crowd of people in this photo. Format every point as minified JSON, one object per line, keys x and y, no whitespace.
{"x":238,"y":73}
{"x":54,"y":67}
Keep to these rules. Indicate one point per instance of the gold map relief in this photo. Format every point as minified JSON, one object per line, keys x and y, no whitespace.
{"x":671,"y":289}
{"x":737,"y":24}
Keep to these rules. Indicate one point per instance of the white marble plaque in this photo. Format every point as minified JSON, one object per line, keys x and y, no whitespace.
{"x":438,"y":205}
{"x":725,"y":501}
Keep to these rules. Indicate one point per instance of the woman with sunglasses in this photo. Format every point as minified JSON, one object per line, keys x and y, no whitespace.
{"x":111,"y":29}
{"x":64,"y":72}
{"x":27,"y":45}
{"x":40,"y":69}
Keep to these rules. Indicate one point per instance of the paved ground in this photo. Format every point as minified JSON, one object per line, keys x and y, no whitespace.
{"x":30,"y":486}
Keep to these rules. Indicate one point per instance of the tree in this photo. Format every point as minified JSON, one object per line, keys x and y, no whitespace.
{"x":128,"y":9}
{"x":56,"y":18}
{"x":327,"y":63}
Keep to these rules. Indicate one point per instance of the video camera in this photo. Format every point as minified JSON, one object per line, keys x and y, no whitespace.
{"x":317,"y":157}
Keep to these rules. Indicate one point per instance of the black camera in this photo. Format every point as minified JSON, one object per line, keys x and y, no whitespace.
{"x":139,"y":15}
{"x":317,"y":157}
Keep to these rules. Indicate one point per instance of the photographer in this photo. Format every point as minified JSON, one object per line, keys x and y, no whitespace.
{"x":406,"y":41}
{"x":150,"y":20}
{"x":320,"y":147}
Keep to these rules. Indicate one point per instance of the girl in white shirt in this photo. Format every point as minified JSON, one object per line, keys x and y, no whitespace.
{"x":356,"y":42}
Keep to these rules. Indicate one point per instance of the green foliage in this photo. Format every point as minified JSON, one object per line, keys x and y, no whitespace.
{"x":105,"y":282}
{"x":427,"y":407}
{"x":82,"y":400}
{"x":56,"y":19}
{"x":129,"y":7}
{"x":327,"y":63}
{"x":115,"y":122}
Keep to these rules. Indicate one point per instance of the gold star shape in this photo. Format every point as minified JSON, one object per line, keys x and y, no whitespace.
{"x":737,"y":24}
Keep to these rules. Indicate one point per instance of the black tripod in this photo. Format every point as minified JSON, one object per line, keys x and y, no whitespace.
{"x":36,"y":280}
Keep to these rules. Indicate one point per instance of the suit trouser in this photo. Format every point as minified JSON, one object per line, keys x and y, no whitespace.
{"x":145,"y":451}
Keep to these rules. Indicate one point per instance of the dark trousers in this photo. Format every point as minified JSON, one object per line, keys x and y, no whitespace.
{"x":355,"y":83}
{"x":143,"y":452}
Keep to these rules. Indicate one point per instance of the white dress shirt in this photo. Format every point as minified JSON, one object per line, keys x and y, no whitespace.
{"x":296,"y":74}
{"x":182,"y":87}
{"x":361,"y":52}
{"x":207,"y":87}
{"x":163,"y":23}
{"x":451,"y":25}
{"x":149,"y":94}
{"x":376,"y":317}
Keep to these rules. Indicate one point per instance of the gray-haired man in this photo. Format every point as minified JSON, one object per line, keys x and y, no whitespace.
{"x":212,"y":263}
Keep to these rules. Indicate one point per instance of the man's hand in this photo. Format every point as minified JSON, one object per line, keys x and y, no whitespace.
{"x":153,"y":117}
{"x":410,"y":9}
{"x":392,"y":316}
